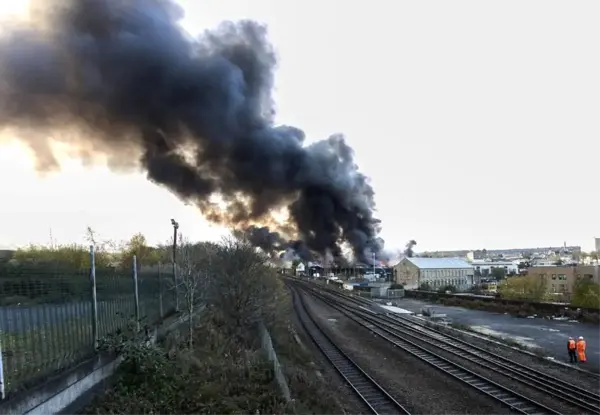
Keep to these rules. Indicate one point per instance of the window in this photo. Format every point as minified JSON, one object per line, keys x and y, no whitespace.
{"x":553,"y":276}
{"x":562,"y":277}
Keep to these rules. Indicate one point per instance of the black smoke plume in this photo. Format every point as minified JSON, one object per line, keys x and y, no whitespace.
{"x":120,"y":81}
{"x":408,"y":252}
{"x":274,"y":244}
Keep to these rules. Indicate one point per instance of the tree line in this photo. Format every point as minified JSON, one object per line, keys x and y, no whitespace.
{"x":108,"y":254}
{"x":585,"y":292}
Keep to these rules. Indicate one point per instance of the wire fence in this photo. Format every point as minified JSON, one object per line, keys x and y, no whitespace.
{"x":51,"y":319}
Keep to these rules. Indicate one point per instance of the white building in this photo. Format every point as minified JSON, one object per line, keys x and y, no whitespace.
{"x":544,"y":262}
{"x":435,"y":272}
{"x":486,"y":267}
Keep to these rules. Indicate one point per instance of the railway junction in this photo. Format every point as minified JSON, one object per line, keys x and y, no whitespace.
{"x":395,"y":363}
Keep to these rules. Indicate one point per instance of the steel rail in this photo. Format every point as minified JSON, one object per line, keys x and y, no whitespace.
{"x":506,"y":396}
{"x":366,"y":388}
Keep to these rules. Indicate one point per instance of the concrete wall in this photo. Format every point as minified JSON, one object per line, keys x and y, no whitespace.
{"x":61,"y":393}
{"x":268,"y":348}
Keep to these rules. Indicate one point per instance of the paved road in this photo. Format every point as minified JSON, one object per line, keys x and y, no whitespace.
{"x":551,"y":336}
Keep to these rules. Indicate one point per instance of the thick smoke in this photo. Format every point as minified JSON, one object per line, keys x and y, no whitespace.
{"x":274,"y":244}
{"x":119,"y":81}
{"x":409,"y":252}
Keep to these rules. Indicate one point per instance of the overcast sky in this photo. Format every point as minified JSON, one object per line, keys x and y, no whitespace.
{"x":478,"y":122}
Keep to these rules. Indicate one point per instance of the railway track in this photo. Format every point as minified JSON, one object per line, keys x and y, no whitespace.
{"x":377,"y":399}
{"x":580,"y":398}
{"x":576,"y":396}
{"x":514,"y":400}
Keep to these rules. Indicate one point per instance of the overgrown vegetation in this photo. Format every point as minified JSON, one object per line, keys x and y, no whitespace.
{"x":108,"y":254}
{"x":447,"y":289}
{"x":215,"y":364}
{"x":527,"y":287}
{"x":519,"y":310}
{"x":40,"y":274}
{"x":530,"y":290}
{"x":586,"y":293}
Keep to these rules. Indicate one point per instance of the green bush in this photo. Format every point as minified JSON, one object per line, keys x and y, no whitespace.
{"x":586,"y":293}
{"x":170,"y":378}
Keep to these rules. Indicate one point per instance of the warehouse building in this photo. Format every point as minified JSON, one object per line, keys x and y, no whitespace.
{"x":435,"y":272}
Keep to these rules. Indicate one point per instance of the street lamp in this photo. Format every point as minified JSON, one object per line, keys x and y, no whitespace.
{"x":175,"y":227}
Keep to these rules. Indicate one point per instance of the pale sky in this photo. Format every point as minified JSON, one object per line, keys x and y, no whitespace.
{"x":478,"y":122}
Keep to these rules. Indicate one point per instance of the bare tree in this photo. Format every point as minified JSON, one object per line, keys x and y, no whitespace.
{"x":90,"y":236}
{"x":193,"y":273}
{"x":243,"y":290}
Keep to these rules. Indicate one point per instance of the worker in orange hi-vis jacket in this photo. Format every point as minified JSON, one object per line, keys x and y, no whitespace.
{"x":581,"y":349}
{"x":572,"y":348}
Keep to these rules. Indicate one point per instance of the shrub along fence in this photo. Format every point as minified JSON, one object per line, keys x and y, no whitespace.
{"x":52,"y":319}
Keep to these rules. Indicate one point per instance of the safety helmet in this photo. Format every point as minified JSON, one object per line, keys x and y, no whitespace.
{"x":570,"y":338}
{"x":580,"y":338}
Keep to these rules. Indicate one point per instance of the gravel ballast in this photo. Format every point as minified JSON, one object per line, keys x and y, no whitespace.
{"x":576,"y":377}
{"x":336,"y":384}
{"x":514,"y":385}
{"x":582,"y":379}
{"x":414,"y":383}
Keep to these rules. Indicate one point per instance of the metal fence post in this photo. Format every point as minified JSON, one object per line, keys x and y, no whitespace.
{"x":2,"y":388}
{"x":94,"y":297}
{"x":160,"y":292}
{"x":136,"y":294}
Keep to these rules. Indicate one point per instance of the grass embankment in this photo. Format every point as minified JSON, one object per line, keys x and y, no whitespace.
{"x":224,"y":370}
{"x":217,"y":376}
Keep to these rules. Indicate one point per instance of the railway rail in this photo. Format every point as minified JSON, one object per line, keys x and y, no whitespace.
{"x":565,"y":391}
{"x":372,"y":321}
{"x":377,"y":399}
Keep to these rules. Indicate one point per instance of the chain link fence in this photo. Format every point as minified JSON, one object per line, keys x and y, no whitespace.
{"x":51,"y":319}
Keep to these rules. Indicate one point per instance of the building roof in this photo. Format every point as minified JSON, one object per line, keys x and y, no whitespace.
{"x":440,"y":263}
{"x":492,"y":263}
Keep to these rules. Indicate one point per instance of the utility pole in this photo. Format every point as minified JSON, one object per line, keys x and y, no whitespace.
{"x":374,"y":264}
{"x":175,"y":228}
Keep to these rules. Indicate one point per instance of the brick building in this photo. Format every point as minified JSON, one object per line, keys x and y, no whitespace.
{"x":561,"y":280}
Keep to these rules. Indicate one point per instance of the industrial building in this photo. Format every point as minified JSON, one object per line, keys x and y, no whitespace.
{"x":435,"y":272}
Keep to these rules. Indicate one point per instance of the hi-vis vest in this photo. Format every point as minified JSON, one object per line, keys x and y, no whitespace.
{"x":571,"y":344}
